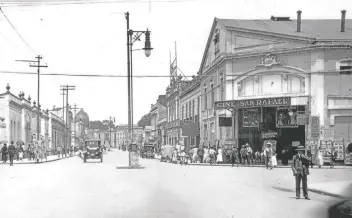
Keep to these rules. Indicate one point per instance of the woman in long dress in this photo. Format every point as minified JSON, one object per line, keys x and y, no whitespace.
{"x":219,"y":157}
{"x":206,"y":155}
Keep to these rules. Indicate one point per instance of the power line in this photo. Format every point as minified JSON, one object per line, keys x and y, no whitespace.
{"x":13,"y":27}
{"x":165,"y":76}
{"x":57,"y":3}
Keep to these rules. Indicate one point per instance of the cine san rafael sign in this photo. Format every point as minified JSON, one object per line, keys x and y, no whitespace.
{"x":253,"y":103}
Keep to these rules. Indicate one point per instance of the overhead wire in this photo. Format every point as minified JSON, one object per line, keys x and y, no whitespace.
{"x":163,"y":76}
{"x":79,"y":2}
{"x":19,"y":35}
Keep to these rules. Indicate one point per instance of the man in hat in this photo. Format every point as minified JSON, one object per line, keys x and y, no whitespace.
{"x":300,"y":168}
{"x":268,"y":153}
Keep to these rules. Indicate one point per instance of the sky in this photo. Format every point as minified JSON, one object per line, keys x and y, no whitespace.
{"x":91,"y":39}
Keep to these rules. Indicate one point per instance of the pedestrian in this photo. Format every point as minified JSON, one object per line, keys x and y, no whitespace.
{"x":12,"y":152}
{"x":257,"y":157}
{"x":58,"y":151}
{"x":333,"y":157}
{"x":243,"y":152}
{"x":320,"y":159}
{"x":268,"y":153}
{"x":300,"y":168}
{"x":17,"y":152}
{"x":4,"y":151}
{"x":20,"y":153}
{"x":234,"y":156}
{"x":206,"y":155}
{"x":200,"y":153}
{"x":284,"y":156}
{"x":249,"y":154}
{"x":219,"y":158}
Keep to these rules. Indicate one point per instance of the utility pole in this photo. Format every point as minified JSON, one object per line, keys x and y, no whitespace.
{"x":67,"y":88}
{"x":74,"y":126}
{"x":38,"y":66}
{"x":128,"y":74}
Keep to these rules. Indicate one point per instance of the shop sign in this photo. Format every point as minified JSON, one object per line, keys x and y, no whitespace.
{"x":315,"y":127}
{"x":265,"y":102}
{"x":302,"y":119}
{"x":268,"y":135}
{"x":220,"y":105}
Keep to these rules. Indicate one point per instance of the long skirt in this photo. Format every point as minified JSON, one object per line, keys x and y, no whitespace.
{"x":274,"y":161}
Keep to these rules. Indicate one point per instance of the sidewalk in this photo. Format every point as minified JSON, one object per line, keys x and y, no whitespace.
{"x":51,"y":158}
{"x":259,"y":165}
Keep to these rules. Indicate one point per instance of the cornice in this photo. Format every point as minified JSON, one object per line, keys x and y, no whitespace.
{"x":230,"y":56}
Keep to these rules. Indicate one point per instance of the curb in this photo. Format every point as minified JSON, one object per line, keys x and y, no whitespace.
{"x":288,"y":167}
{"x":40,"y":162}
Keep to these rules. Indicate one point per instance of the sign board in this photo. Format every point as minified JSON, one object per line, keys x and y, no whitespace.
{"x":315,"y":127}
{"x":252,"y":103}
{"x":325,"y":148}
{"x":327,"y":133}
{"x":348,"y":159}
{"x":340,"y":148}
{"x":302,"y":119}
{"x":268,"y":135}
{"x":230,"y":142}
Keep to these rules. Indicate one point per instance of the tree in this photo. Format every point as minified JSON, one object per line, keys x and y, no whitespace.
{"x":145,"y":120}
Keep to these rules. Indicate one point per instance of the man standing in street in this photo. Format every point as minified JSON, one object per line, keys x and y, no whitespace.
{"x":300,"y":168}
{"x":12,"y":152}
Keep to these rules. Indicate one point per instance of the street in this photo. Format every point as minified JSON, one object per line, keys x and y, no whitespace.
{"x":70,"y":188}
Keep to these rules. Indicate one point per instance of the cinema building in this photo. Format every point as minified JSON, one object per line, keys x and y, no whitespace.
{"x":285,"y":80}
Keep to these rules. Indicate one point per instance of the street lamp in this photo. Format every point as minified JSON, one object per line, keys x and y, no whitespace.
{"x":132,"y":37}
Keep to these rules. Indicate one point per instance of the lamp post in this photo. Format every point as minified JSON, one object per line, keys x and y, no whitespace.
{"x":132,"y":37}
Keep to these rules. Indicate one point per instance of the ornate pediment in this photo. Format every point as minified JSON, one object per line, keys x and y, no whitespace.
{"x":269,"y":61}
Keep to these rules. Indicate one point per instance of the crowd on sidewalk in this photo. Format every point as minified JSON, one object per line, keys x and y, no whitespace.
{"x":32,"y":153}
{"x":243,"y":156}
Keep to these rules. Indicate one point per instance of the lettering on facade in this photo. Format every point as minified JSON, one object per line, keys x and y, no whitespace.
{"x":263,"y":102}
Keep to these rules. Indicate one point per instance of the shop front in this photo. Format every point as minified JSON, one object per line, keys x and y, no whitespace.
{"x":173,"y":132}
{"x":278,"y":120}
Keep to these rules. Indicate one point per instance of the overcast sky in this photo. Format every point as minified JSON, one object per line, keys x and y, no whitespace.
{"x":91,"y":39}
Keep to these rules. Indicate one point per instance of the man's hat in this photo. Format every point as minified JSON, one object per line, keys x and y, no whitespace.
{"x":269,"y":143}
{"x":300,"y":148}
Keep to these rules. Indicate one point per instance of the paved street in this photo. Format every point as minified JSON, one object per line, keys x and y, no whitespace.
{"x":70,"y":188}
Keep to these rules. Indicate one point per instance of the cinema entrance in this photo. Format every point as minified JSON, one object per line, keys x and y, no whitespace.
{"x":271,"y":119}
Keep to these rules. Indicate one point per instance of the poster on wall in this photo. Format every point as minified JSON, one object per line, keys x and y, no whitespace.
{"x":251,"y":118}
{"x":325,"y":148}
{"x":286,"y":117}
{"x":339,"y":147}
{"x":313,"y":146}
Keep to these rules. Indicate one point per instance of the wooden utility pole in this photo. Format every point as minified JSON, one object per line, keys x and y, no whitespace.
{"x":67,"y":88}
{"x":38,"y":66}
{"x":74,"y":117}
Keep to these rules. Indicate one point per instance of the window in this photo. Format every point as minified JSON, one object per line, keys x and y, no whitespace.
{"x":182,"y":111}
{"x":190,"y":110}
{"x":193,"y":108}
{"x":198,"y":105}
{"x":212,"y":94}
{"x":186,"y":111}
{"x":346,"y":70}
{"x":222,"y":91}
{"x":216,"y":41}
{"x":205,"y":98}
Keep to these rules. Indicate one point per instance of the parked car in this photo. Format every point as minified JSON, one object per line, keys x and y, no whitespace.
{"x":147,"y":151}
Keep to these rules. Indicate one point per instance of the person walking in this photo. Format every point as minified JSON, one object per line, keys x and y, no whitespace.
{"x":12,"y":152}
{"x":234,"y":156}
{"x":268,"y":153}
{"x":333,"y":157}
{"x":300,"y":169}
{"x":243,"y":152}
{"x":58,"y":151}
{"x":284,"y":156}
{"x":219,"y":158}
{"x":20,"y":153}
{"x":249,"y":154}
{"x":4,"y":151}
{"x":200,"y":153}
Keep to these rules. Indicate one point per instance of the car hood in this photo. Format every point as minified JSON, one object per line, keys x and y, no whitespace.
{"x":92,"y":149}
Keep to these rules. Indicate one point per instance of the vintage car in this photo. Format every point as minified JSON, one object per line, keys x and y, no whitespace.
{"x":147,"y":151}
{"x":92,"y":150}
{"x":166,"y":153}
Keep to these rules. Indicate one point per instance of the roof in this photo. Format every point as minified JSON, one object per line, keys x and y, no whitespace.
{"x":82,"y":116}
{"x":319,"y":29}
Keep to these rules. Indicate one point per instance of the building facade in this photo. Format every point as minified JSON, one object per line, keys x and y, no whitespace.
{"x":16,"y":117}
{"x":190,"y":100}
{"x":158,"y":120}
{"x":276,"y":79}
